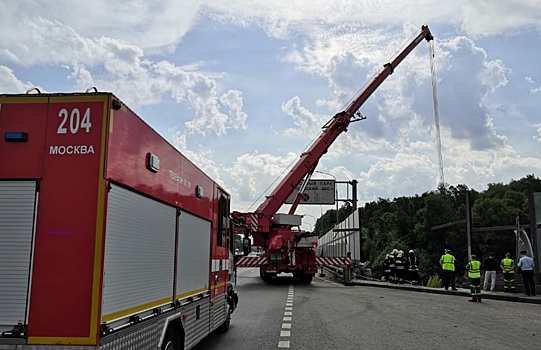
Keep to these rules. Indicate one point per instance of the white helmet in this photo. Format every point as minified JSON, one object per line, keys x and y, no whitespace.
{"x":394,"y":251}
{"x":411,"y":251}
{"x":400,"y":252}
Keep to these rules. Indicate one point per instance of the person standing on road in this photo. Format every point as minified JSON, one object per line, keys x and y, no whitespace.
{"x":508,"y":268}
{"x":387,"y":268}
{"x":413,"y":268}
{"x":400,"y":262}
{"x":474,"y":274}
{"x":392,"y":265}
{"x":490,"y":264}
{"x":526,"y":265}
{"x":447,"y":262}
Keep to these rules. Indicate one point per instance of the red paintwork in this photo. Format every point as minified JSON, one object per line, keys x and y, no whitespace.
{"x":130,"y":142}
{"x":24,"y":117}
{"x":60,"y":304}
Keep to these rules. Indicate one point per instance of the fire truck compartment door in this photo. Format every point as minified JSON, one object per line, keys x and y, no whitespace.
{"x":17,"y":216}
{"x":139,"y":254}
{"x":193,"y":254}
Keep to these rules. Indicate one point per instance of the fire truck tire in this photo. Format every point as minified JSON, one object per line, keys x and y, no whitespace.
{"x":224,"y":327}
{"x":170,"y":341}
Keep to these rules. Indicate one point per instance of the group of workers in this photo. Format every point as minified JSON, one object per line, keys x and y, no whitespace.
{"x":400,"y":269}
{"x":490,"y":264}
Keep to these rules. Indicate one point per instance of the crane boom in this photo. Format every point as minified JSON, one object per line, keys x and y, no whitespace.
{"x":340,"y":122}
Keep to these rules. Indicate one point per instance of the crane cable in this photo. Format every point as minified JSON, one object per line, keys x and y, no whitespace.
{"x":436,"y":113}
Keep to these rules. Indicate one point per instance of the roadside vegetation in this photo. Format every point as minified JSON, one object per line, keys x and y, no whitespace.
{"x":407,"y":223}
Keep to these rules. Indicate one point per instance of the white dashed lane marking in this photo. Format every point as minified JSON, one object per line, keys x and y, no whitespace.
{"x":285,"y":332}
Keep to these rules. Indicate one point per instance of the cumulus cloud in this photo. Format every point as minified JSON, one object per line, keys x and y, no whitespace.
{"x":257,"y":174}
{"x":406,"y":172}
{"x":469,"y":77}
{"x":10,"y":84}
{"x":112,"y":64}
{"x":307,"y":124}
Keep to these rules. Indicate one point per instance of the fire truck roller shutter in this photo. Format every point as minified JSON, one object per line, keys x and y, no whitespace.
{"x":193,"y":254}
{"x":17,"y":208}
{"x":139,"y":254}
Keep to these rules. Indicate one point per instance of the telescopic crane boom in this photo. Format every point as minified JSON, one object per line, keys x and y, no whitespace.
{"x":262,"y":224}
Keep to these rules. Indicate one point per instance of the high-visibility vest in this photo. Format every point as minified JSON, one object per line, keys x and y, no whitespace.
{"x":474,"y":269}
{"x":392,"y":264}
{"x":508,"y":265}
{"x":399,"y":263}
{"x":448,"y":262}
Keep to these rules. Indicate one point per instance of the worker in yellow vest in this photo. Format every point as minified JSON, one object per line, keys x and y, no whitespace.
{"x":508,"y":268}
{"x":447,"y":262}
{"x":474,"y":274}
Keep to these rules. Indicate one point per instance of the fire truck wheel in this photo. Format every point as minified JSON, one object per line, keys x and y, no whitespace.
{"x":170,"y":341}
{"x":224,"y":327}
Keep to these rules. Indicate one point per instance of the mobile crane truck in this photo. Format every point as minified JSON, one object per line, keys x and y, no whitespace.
{"x":286,"y":250}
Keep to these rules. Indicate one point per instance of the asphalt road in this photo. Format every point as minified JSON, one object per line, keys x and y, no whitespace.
{"x":328,"y":315}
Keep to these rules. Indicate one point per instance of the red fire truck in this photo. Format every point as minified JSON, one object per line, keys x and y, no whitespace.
{"x":284,"y":248}
{"x":109,"y":237}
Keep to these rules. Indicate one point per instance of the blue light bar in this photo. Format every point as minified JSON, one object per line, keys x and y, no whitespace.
{"x":16,"y":136}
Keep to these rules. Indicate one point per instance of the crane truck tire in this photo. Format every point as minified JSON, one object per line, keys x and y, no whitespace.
{"x":265,"y":276}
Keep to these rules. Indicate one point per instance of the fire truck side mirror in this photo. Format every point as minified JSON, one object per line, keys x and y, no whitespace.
{"x":246,"y":246}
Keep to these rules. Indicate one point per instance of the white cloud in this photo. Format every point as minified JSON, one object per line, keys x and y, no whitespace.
{"x":233,"y":101}
{"x":10,"y":84}
{"x":306,"y":123}
{"x":535,"y":90}
{"x":257,"y":174}
{"x":538,"y":137}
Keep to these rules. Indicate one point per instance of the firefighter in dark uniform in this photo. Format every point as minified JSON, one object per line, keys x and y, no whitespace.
{"x":387,"y":268}
{"x":392,"y":266}
{"x":508,"y":268}
{"x":413,"y":268}
{"x":400,"y":262}
{"x":474,"y":274}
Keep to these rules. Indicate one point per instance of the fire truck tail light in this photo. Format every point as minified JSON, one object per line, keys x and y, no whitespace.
{"x":16,"y":136}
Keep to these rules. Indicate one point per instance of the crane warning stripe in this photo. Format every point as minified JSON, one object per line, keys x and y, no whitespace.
{"x":248,"y":261}
{"x":332,"y":261}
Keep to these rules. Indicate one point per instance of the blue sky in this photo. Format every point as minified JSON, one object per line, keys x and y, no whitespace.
{"x":243,"y":87}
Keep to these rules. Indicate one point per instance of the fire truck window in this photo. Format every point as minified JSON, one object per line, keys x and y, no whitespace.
{"x":222,"y":221}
